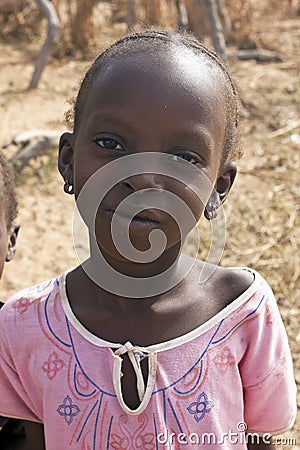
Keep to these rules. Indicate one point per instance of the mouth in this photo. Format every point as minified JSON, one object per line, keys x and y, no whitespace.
{"x":149,"y":216}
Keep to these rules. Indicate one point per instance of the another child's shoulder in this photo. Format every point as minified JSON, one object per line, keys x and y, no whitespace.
{"x":21,"y":302}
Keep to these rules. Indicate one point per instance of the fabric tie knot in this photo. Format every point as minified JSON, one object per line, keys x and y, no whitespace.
{"x":135,"y":356}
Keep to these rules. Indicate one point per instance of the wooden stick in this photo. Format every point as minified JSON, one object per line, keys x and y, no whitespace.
{"x":284,"y":130}
{"x":224,"y":17}
{"x":131,"y":17}
{"x":182,"y":15}
{"x":53,"y":33}
{"x":216,"y":28}
{"x":32,"y":150}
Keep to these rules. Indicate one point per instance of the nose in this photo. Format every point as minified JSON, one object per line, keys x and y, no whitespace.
{"x":143,"y":181}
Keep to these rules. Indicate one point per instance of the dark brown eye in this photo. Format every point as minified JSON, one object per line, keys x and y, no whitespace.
{"x":109,"y":144}
{"x":183,"y":157}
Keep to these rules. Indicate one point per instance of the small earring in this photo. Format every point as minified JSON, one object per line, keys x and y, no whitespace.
{"x":68,"y":188}
{"x":211,"y":209}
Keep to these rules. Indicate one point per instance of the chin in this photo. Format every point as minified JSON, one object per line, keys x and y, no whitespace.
{"x":138,"y":238}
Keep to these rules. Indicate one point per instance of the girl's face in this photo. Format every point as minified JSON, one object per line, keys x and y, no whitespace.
{"x":3,"y":235}
{"x":167,"y":102}
{"x":7,"y":237}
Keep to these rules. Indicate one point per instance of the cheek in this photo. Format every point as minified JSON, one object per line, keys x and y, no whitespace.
{"x":194,"y":202}
{"x":91,"y":187}
{"x":82,"y":173}
{"x":85,"y":164}
{"x":3,"y":251}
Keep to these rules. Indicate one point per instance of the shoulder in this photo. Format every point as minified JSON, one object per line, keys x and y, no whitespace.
{"x":21,"y":303}
{"x":226,"y":285}
{"x":248,"y":295}
{"x":230,"y":284}
{"x":234,"y":281}
{"x":33,"y":317}
{"x":23,"y":318}
{"x":244,"y":296}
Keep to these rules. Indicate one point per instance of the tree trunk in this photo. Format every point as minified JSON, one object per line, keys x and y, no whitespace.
{"x":153,"y":11}
{"x":53,"y":32}
{"x":131,"y":17}
{"x":82,"y":29}
{"x":224,"y":17}
{"x":182,"y":15}
{"x":198,"y":22}
{"x":216,"y":28}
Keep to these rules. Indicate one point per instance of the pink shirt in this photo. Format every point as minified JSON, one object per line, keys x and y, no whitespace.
{"x":205,"y":387}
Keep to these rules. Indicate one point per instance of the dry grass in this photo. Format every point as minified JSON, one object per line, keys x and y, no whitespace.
{"x":248,"y":16}
{"x":263,"y":220}
{"x":23,"y":19}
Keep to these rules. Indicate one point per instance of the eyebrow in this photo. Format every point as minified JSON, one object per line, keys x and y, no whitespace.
{"x":110,"y":120}
{"x":196,"y":133}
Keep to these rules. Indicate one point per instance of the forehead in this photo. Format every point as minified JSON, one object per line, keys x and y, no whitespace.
{"x":166,"y":81}
{"x":167,"y":68}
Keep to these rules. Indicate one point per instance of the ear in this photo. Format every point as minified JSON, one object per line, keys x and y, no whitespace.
{"x":225,"y":180}
{"x":12,"y":241}
{"x":65,"y":156}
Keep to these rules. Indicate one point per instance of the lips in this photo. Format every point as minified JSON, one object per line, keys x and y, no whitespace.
{"x":146,"y":216}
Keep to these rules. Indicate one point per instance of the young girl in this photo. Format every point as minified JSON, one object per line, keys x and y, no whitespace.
{"x":11,"y":431}
{"x":135,"y":348}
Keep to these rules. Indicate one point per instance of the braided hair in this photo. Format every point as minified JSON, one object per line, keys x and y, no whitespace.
{"x":148,"y":40}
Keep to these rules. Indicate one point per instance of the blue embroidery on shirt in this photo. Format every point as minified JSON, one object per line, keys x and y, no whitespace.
{"x":96,"y":424}
{"x":76,"y":385}
{"x":195,"y":384}
{"x":240,"y":322}
{"x":175,"y":415}
{"x":200,"y":407}
{"x":68,"y":410}
{"x":155,"y":432}
{"x":109,"y":431}
{"x":48,"y":323}
{"x":79,"y":364}
{"x":196,"y":363}
{"x":86,"y":420}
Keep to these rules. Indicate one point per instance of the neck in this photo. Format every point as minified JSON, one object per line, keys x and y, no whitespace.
{"x":136,"y":280}
{"x":128,"y":268}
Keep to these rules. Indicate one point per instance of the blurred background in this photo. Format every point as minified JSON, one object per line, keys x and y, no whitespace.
{"x":44,"y":51}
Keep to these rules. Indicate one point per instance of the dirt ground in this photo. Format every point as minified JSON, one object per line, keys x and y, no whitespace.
{"x":262,"y":212}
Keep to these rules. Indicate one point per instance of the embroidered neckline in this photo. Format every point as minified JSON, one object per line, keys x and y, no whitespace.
{"x":172,"y":343}
{"x":136,"y":353}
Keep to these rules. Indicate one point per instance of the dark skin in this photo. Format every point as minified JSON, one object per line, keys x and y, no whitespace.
{"x":181,"y":90}
{"x":8,"y":243}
